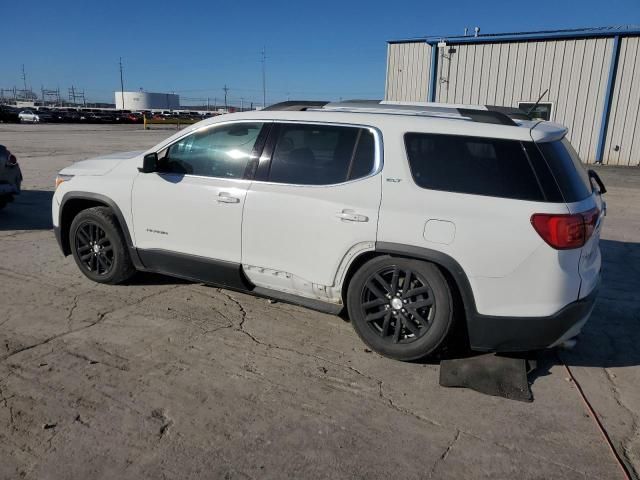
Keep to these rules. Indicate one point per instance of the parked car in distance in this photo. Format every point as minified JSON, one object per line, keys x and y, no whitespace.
{"x":8,"y":114}
{"x":29,"y":116}
{"x":10,"y":176}
{"x":410,"y":217}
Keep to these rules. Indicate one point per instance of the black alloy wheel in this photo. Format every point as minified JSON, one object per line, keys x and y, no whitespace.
{"x":400,"y":307}
{"x":398,"y":304}
{"x":99,"y":246}
{"x":94,"y":248}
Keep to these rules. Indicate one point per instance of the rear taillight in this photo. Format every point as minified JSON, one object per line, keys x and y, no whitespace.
{"x":564,"y":232}
{"x":12,"y":160}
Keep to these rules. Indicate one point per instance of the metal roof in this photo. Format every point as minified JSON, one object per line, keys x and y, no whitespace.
{"x":592,"y":32}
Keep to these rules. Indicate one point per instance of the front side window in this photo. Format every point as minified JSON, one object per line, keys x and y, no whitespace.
{"x":473,"y":165}
{"x":321,"y":154}
{"x":222,"y":151}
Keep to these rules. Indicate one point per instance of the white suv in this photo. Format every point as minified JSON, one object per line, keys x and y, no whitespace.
{"x":405,"y":214}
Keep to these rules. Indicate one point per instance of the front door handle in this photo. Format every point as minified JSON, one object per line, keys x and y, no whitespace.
{"x":351,"y":216}
{"x":224,"y":197}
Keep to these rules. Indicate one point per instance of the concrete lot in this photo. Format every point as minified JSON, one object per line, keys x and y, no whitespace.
{"x":168,"y":379}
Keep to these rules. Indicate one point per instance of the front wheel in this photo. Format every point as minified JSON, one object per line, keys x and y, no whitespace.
{"x":401,"y":308}
{"x":98,"y":246}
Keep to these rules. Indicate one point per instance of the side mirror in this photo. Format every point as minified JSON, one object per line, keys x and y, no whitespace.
{"x":594,"y":176}
{"x":149,"y":163}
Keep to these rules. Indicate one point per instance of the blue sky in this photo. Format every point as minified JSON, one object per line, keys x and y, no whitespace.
{"x":315,"y":50}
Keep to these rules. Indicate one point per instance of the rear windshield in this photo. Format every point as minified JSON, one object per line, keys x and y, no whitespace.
{"x":570,"y":174}
{"x":473,"y":165}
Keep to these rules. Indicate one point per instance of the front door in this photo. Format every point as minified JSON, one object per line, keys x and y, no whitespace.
{"x":193,"y":204}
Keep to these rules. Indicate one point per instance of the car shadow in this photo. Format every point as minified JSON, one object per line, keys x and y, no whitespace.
{"x":612,"y":335}
{"x":609,"y":339}
{"x":31,"y":210}
{"x":149,"y":278}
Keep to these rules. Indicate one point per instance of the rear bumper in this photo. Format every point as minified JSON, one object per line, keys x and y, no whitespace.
{"x":518,"y":334}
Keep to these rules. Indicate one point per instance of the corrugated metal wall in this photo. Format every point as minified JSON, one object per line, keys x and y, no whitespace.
{"x":408,"y":67}
{"x":574,"y":71}
{"x":622,"y":146}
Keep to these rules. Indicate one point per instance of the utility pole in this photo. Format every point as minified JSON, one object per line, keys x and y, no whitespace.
{"x":226,"y":89}
{"x":24,"y":79}
{"x":241,"y":104}
{"x":121,"y":84}
{"x":264,"y":78}
{"x":207,"y":104}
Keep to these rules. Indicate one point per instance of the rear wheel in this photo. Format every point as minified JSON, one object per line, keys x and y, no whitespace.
{"x":401,"y":308}
{"x":98,"y":246}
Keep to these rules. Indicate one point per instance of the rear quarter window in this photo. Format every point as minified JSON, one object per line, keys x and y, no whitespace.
{"x":568,"y":170}
{"x":472,"y":165}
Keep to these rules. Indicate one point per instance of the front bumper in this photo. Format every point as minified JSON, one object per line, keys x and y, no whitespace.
{"x":58,"y":234}
{"x":520,"y":334}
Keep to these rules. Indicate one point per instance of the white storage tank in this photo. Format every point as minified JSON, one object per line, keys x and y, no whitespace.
{"x":146,"y":101}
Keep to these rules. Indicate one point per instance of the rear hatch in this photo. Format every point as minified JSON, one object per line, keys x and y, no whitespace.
{"x":582,"y":197}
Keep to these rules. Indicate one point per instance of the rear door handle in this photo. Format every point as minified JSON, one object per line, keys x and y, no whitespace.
{"x":351,"y":216}
{"x":224,"y":197}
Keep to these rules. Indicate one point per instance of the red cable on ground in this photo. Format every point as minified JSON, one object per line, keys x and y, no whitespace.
{"x":623,"y":466}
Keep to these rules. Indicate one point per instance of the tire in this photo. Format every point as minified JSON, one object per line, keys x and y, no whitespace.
{"x":99,"y":248}
{"x":393,"y":322}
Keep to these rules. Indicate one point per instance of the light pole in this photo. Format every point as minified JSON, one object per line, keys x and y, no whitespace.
{"x":121,"y":84}
{"x":264,"y":78}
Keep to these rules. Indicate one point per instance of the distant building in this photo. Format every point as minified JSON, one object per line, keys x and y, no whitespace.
{"x":146,"y":101}
{"x":592,"y":76}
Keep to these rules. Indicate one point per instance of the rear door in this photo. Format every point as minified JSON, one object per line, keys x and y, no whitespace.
{"x":315,"y":198}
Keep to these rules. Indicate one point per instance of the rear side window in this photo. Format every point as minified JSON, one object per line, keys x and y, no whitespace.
{"x":473,"y":165}
{"x":321,"y":154}
{"x":567,"y":169}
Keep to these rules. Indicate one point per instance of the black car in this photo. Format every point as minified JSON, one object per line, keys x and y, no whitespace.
{"x":45,"y":116}
{"x":10,"y":176}
{"x":8,"y":114}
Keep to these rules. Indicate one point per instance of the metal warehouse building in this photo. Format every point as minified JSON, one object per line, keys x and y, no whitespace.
{"x":592,"y":76}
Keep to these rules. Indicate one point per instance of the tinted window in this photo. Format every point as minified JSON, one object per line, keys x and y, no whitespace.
{"x":221,"y":151}
{"x":568,"y":170}
{"x":543,"y":172}
{"x":474,"y":165}
{"x":363,"y":160}
{"x":321,"y":154}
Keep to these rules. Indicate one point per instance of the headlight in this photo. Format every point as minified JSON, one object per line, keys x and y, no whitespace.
{"x":60,"y":179}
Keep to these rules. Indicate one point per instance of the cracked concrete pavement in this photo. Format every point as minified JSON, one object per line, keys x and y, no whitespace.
{"x":169,"y":379}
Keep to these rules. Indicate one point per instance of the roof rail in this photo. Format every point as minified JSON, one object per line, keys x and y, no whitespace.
{"x":296,"y":105}
{"x":513,"y":113}
{"x":476,"y":113}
